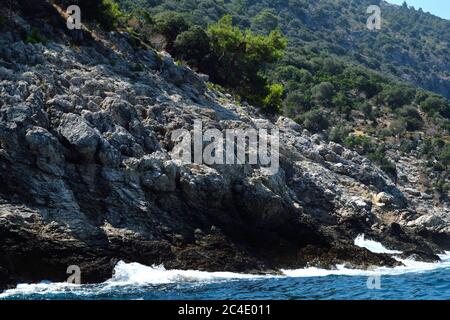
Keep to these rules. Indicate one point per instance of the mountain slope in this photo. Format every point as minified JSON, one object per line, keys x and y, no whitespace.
{"x":89,"y":178}
{"x":356,"y":87}
{"x":411,"y":45}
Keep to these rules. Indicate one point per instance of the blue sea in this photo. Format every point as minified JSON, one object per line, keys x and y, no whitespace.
{"x":413,"y":281}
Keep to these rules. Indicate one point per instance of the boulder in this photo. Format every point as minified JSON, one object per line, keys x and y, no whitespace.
{"x":383,"y":199}
{"x":77,"y":132}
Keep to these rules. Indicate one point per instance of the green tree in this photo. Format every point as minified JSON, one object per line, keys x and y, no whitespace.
{"x":444,"y":155}
{"x":106,"y":12}
{"x":192,"y":46}
{"x":323,"y":92}
{"x":296,"y":102}
{"x":398,"y":96}
{"x":411,"y":117}
{"x":265,"y":21}
{"x":314,"y":120}
{"x":170,"y":24}
{"x":434,"y":104}
{"x":398,"y":127}
{"x":273,"y":100}
{"x":238,"y":58}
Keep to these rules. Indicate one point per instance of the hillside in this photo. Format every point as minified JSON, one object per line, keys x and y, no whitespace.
{"x":411,"y":45}
{"x":89,"y":175}
{"x":360,"y":88}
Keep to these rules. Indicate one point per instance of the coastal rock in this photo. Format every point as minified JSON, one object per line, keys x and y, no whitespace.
{"x":79,"y":135}
{"x":89,"y":177}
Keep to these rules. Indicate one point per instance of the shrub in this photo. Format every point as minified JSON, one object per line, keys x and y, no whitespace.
{"x":273,"y":101}
{"x":411,"y":117}
{"x":444,"y":155}
{"x":295,"y":103}
{"x":408,"y":145}
{"x":34,"y":37}
{"x":441,"y":186}
{"x":323,"y":92}
{"x":398,"y":127}
{"x":363,"y":144}
{"x":266,"y":21}
{"x":434,"y":104}
{"x":192,"y":46}
{"x":332,"y":66}
{"x":109,"y":15}
{"x":314,"y":120}
{"x":367,"y":110}
{"x":398,"y":96}
{"x":237,"y":58}
{"x":338,"y":134}
{"x":106,"y":12}
{"x":170,"y":25}
{"x":293,"y":73}
{"x":379,"y":157}
{"x":421,"y":96}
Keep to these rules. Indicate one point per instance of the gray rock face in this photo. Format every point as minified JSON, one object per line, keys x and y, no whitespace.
{"x":86,"y":166}
{"x":79,"y":135}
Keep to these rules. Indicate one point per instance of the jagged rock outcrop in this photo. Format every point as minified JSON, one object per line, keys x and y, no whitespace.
{"x":88,"y":177}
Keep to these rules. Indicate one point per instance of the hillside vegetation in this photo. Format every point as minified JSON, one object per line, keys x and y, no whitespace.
{"x":372,"y":91}
{"x":381,"y":93}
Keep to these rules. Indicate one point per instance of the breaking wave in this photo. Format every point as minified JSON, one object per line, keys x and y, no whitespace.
{"x":133,"y":276}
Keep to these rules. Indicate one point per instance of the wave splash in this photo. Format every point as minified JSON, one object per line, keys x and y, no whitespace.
{"x":373,"y":246}
{"x":135,"y":274}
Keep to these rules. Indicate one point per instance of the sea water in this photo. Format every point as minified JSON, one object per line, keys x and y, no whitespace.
{"x":413,"y":280}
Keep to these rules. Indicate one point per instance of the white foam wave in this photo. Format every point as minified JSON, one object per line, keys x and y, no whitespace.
{"x":372,"y":245}
{"x":135,"y":274}
{"x":409,"y":266}
{"x":44,"y":288}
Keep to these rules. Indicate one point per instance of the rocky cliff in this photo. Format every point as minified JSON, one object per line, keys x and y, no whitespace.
{"x":87,"y":176}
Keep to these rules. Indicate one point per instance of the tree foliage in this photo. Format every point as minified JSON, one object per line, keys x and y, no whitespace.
{"x":238,"y":57}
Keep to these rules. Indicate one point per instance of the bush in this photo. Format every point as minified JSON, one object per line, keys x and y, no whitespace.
{"x":338,"y":134}
{"x":35,"y":37}
{"x":441,"y":186}
{"x":444,"y":155}
{"x":411,"y":118}
{"x":109,"y":15}
{"x":265,"y":21}
{"x":398,"y":96}
{"x":378,"y":156}
{"x":408,"y":145}
{"x":106,"y":12}
{"x":296,"y":102}
{"x":434,"y":104}
{"x":286,"y":73}
{"x":421,"y":96}
{"x":362,"y":144}
{"x":237,"y":58}
{"x":192,"y":46}
{"x":170,"y":25}
{"x":323,"y":92}
{"x":314,"y":120}
{"x":273,"y":101}
{"x":332,"y":66}
{"x":398,"y":127}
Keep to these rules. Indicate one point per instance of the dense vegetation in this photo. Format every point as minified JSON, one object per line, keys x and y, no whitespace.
{"x":412,"y":45}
